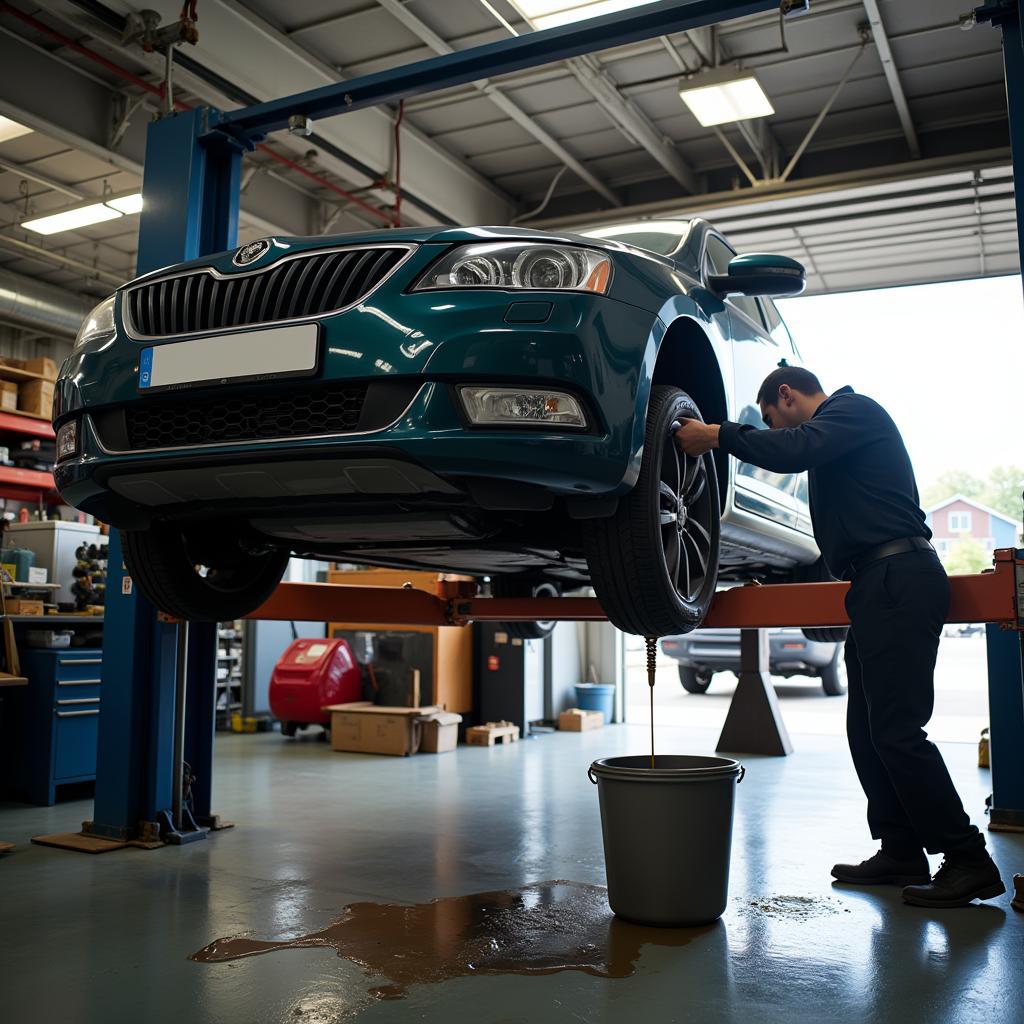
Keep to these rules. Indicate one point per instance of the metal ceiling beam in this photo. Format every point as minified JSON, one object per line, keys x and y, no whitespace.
{"x":820,"y":185}
{"x":631,"y":120}
{"x":478,"y":62}
{"x":75,"y":110}
{"x":501,"y":101}
{"x":892,"y":75}
{"x":249,"y":52}
{"x":41,"y":179}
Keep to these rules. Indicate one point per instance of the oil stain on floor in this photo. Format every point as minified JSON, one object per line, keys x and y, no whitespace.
{"x":536,"y":929}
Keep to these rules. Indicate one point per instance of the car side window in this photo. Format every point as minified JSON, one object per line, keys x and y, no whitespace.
{"x":717,"y":257}
{"x":776,"y":325}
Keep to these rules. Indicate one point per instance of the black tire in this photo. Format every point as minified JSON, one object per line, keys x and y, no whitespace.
{"x":826,"y":634}
{"x":630,"y":552}
{"x":289,"y":728}
{"x":510,"y":586}
{"x":159,"y":562}
{"x":833,"y":675}
{"x":694,"y":680}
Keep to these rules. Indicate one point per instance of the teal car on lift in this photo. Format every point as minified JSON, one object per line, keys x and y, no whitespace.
{"x":492,"y":401}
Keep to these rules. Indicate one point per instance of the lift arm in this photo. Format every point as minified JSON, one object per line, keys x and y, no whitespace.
{"x":993,"y":596}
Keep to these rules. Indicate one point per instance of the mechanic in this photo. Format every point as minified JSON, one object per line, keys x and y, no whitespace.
{"x":871,"y":530}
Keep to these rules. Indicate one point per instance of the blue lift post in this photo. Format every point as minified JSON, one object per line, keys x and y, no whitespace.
{"x":1006,"y":647}
{"x":191,"y":190}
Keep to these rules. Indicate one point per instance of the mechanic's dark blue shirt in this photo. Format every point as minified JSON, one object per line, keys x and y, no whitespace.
{"x":861,"y":482}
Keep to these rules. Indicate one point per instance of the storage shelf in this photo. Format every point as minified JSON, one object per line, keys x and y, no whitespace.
{"x":23,"y":423}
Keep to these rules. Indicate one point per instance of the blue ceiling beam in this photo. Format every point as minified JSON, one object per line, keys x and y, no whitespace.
{"x":490,"y":60}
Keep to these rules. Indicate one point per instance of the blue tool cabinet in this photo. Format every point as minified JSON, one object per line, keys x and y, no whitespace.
{"x":53,"y":724}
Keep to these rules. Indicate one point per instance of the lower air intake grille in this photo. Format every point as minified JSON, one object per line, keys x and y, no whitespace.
{"x":309,"y":412}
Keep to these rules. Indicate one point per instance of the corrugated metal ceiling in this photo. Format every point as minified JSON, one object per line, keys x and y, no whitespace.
{"x":958,"y":223}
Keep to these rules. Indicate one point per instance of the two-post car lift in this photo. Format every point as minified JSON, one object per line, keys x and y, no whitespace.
{"x":191,"y":188}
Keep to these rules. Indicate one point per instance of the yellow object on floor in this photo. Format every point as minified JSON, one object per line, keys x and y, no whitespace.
{"x":244,"y":723}
{"x":983,"y":753}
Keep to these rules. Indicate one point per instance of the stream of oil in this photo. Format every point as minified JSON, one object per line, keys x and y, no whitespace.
{"x":536,"y":929}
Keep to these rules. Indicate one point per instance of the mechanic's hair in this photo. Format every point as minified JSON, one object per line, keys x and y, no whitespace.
{"x":796,"y":377}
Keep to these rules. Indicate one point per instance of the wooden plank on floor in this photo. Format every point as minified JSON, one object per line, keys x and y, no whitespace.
{"x":80,"y":842}
{"x":6,"y":847}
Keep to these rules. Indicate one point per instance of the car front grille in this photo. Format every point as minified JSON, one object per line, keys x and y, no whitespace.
{"x":307,"y":285}
{"x":299,"y":412}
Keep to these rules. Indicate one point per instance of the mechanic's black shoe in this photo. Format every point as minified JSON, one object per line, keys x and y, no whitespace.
{"x":959,"y":881}
{"x":885,"y":870}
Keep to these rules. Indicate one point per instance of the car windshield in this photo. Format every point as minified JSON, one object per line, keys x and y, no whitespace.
{"x":661,"y":236}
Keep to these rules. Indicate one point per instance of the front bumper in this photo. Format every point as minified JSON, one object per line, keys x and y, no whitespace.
{"x":598,"y":348}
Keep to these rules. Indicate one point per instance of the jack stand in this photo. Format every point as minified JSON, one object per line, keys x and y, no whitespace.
{"x":754,"y":724}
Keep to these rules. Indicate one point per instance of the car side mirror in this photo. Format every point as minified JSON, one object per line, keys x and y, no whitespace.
{"x":760,"y":274}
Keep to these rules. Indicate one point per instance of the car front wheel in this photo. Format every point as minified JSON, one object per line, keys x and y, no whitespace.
{"x":170,"y":577}
{"x":654,"y":563}
{"x":694,"y":680}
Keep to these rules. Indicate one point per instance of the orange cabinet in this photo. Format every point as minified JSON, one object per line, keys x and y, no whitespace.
{"x":447,"y":666}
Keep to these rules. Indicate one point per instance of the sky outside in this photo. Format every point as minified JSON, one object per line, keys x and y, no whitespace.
{"x":946,"y":360}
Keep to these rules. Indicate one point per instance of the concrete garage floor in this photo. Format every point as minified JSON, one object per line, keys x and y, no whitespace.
{"x":105,"y":938}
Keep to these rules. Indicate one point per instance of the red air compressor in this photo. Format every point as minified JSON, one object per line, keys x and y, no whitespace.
{"x":309,"y":675}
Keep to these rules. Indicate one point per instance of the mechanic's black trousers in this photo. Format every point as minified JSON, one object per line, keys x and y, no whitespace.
{"x":897,"y":607}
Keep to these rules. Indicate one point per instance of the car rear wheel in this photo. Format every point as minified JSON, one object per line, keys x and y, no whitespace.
{"x":694,"y":680}
{"x":159,"y":561}
{"x":512,"y":586}
{"x":833,"y":675}
{"x":654,"y":563}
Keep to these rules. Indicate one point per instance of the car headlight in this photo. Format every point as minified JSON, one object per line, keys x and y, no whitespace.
{"x":98,"y":324}
{"x":525,"y":265}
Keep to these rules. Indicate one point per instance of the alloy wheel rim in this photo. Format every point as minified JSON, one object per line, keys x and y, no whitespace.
{"x":685,"y":519}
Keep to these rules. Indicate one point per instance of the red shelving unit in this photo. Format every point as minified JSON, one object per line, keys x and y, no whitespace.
{"x":28,"y":426}
{"x":26,"y":485}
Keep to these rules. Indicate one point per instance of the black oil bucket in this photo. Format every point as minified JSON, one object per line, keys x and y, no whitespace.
{"x":667,"y":835}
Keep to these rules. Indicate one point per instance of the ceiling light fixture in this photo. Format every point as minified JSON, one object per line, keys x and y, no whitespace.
{"x":552,"y":13}
{"x":11,"y":129}
{"x":726,"y":95}
{"x":83,"y":215}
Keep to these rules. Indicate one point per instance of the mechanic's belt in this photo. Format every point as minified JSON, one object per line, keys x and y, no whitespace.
{"x":887,"y":550}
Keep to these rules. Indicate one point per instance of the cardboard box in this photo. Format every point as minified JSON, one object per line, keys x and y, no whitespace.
{"x":23,"y":606}
{"x":440,"y":732}
{"x":43,"y":366}
{"x":36,"y":398}
{"x":577,"y":720}
{"x":366,"y":728}
{"x":8,"y":395}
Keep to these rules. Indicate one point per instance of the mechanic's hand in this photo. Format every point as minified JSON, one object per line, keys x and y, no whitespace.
{"x":696,"y":438}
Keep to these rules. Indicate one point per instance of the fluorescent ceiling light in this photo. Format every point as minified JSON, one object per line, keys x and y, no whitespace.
{"x":552,"y":13}
{"x":719,"y":102}
{"x":127,"y":204}
{"x":11,"y":129}
{"x":83,"y":216}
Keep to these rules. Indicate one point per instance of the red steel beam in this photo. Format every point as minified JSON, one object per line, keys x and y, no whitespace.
{"x":986,"y":597}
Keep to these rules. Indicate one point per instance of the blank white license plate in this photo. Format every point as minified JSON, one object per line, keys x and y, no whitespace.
{"x":266,"y":354}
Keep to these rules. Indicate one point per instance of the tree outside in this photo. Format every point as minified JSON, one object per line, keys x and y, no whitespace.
{"x":1001,"y":490}
{"x":967,"y":555}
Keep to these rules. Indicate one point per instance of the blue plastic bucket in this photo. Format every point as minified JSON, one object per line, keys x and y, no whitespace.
{"x":596,"y":697}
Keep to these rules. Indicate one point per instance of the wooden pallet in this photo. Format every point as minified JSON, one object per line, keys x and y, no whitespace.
{"x":492,"y":732}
